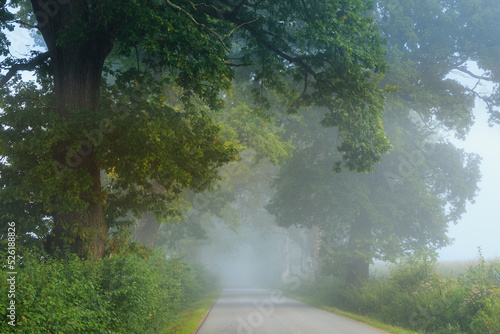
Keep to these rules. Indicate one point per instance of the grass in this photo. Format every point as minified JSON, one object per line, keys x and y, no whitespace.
{"x":453,"y":268}
{"x":190,"y":320}
{"x":447,"y":268}
{"x":356,"y":317}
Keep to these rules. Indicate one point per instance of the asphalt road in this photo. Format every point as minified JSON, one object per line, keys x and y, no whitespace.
{"x":259,"y":311}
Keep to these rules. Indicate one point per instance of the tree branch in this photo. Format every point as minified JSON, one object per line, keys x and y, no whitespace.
{"x":237,"y":27}
{"x":236,"y":65}
{"x":189,"y":16}
{"x":28,"y":66}
{"x":26,"y":24}
{"x":238,"y":7}
{"x":297,"y":101}
{"x":271,"y":47}
{"x":483,"y":98}
{"x":475,"y":76}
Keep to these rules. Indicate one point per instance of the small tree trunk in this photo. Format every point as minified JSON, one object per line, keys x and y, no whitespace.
{"x":359,"y":250}
{"x":314,"y":243}
{"x":146,"y":230}
{"x":283,"y":249}
{"x":357,"y":272}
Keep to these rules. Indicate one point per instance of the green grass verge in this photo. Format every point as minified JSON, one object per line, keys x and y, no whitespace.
{"x":356,"y":317}
{"x":190,"y":320}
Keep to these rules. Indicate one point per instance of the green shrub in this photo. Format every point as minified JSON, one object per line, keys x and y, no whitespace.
{"x":123,"y":293}
{"x":59,"y":296}
{"x":412,"y":270}
{"x":414,"y":296}
{"x":473,"y":301}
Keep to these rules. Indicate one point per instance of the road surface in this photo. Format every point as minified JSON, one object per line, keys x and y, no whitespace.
{"x":259,"y":311}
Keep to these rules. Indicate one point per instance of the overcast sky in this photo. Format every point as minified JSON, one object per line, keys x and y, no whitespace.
{"x":480,"y":226}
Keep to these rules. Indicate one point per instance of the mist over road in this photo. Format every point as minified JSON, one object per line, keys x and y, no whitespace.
{"x":259,"y":311}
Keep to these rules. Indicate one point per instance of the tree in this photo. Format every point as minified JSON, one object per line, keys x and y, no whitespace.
{"x":375,"y":216}
{"x":426,"y":41}
{"x":257,"y":137}
{"x":57,"y":138}
{"x":434,"y":38}
{"x":404,"y":206}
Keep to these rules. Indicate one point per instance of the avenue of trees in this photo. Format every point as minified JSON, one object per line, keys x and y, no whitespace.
{"x":319,"y":121}
{"x":147,"y":126}
{"x":423,"y":185}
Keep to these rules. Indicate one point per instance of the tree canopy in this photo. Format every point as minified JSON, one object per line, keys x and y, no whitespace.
{"x":85,"y":116}
{"x":404,"y":206}
{"x":430,"y":40}
{"x":421,"y":187}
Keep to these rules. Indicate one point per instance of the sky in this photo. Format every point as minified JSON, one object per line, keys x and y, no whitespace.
{"x":480,"y":226}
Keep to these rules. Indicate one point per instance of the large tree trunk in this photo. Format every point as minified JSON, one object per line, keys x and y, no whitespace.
{"x":77,"y":69}
{"x":86,"y":232}
{"x":359,"y":251}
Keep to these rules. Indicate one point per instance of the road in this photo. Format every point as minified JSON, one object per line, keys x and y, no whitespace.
{"x":259,"y":311}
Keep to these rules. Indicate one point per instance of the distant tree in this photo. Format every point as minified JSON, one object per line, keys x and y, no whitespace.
{"x":431,"y":39}
{"x":407,"y":203}
{"x":404,"y":206}
{"x":425,"y":182}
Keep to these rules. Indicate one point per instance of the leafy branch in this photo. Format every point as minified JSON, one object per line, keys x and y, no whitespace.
{"x":189,"y":16}
{"x":26,"y":66}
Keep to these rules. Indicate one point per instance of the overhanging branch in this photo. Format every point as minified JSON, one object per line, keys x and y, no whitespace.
{"x":26,"y":24}
{"x":189,"y":16}
{"x":268,"y":45}
{"x":475,"y":76}
{"x":28,"y":66}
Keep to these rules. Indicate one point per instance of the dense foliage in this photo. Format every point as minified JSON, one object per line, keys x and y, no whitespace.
{"x":428,"y":41}
{"x":122,"y":293}
{"x":424,"y":183}
{"x":148,"y":122}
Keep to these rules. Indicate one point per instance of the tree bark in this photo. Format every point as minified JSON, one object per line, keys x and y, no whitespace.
{"x":84,"y":233}
{"x":359,"y":251}
{"x":77,"y":70}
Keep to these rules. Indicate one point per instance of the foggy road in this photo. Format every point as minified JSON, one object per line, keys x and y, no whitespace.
{"x":259,"y":311}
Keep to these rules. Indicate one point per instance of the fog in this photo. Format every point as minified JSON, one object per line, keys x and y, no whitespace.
{"x":248,"y":257}
{"x":243,"y":258}
{"x":480,"y":226}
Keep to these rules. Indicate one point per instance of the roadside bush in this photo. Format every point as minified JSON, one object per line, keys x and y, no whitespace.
{"x":414,"y":296}
{"x":196,"y":280}
{"x":472,"y":300}
{"x":123,"y":293}
{"x":379,"y":298}
{"x":390,"y":299}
